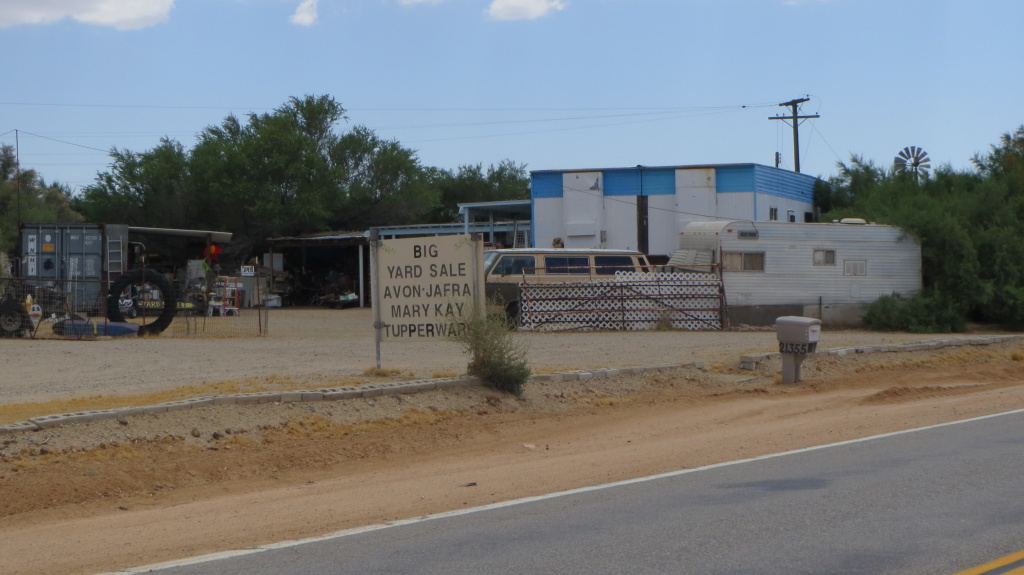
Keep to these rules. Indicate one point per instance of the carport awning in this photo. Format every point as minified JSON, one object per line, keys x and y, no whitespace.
{"x":215,"y":237}
{"x":322,"y":239}
{"x":510,"y":209}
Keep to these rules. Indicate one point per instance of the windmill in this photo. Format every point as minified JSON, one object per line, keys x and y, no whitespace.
{"x":913,"y":159}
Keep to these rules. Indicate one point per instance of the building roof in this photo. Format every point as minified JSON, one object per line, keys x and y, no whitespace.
{"x":512,"y":209}
{"x":215,"y":237}
{"x":322,"y":238}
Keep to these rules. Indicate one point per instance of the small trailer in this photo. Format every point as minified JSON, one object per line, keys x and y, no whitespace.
{"x":822,"y":270}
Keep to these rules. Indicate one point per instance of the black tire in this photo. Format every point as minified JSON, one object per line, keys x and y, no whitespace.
{"x":139,"y":276}
{"x":13,"y":318}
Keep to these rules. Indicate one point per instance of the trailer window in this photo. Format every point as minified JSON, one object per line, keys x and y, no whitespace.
{"x":855,"y":267}
{"x":743,"y":261}
{"x":824,"y":257}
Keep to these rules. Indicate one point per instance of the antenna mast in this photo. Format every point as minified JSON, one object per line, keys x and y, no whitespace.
{"x":796,"y":127}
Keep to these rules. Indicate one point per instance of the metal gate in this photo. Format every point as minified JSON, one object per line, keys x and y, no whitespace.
{"x":631,"y":301}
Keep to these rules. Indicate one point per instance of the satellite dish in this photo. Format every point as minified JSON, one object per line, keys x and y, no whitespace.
{"x":913,"y":159}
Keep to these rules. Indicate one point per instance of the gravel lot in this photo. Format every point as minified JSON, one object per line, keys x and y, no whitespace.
{"x":321,"y":347}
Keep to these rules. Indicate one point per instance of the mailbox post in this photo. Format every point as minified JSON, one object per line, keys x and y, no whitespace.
{"x":798,"y":336}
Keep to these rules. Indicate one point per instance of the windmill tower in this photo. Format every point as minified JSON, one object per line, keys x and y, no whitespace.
{"x":913,"y":159}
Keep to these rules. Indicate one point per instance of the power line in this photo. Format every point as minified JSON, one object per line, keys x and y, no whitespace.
{"x":358,"y":109}
{"x":119,"y":105}
{"x":91,"y":134}
{"x":675,"y":114}
{"x":63,"y":142}
{"x":566,"y":129}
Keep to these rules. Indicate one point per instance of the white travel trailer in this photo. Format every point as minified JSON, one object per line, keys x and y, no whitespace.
{"x":823,"y":270}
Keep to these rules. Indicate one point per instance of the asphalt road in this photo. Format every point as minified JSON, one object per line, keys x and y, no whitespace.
{"x":930,"y":502}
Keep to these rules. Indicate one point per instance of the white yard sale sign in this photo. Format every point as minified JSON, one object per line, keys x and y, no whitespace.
{"x":423,"y":285}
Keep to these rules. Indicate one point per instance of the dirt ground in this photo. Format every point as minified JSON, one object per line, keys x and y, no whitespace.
{"x":111,"y":495}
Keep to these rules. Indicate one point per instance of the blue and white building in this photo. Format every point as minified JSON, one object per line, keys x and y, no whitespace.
{"x":645,"y":208}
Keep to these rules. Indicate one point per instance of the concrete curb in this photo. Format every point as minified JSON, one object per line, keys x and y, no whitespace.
{"x":297,"y":396}
{"x":747,"y":362}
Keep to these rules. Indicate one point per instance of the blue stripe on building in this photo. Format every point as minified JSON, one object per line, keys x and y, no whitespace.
{"x":640,"y":182}
{"x":730,"y":179}
{"x":546,"y":185}
{"x":784,"y":184}
{"x":662,"y":181}
{"x":622,"y":183}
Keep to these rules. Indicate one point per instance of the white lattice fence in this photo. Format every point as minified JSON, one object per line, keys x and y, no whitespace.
{"x":631,"y":301}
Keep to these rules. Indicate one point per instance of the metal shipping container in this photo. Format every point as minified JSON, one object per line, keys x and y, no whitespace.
{"x":75,"y":261}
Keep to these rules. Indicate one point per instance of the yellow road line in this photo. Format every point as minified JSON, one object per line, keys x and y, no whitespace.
{"x":1009,"y":565}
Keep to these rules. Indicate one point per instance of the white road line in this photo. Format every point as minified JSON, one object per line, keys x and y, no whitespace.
{"x":499,"y":505}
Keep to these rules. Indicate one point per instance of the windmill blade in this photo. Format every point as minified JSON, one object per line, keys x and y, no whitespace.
{"x":912,"y":158}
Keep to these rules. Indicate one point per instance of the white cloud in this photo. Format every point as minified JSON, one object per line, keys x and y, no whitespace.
{"x":305,"y":14}
{"x":414,"y":2}
{"x":523,"y":9}
{"x":120,"y":14}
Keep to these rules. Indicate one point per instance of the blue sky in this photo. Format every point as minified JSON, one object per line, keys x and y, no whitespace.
{"x":554,"y":84}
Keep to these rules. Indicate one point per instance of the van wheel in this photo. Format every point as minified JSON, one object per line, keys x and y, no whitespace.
{"x":513,"y":315}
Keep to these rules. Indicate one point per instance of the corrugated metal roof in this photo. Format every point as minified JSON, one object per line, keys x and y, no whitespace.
{"x":215,"y":237}
{"x":321,"y":237}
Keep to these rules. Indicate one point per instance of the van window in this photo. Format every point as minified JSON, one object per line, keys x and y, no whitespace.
{"x":608,"y":265}
{"x":515,"y":265}
{"x":555,"y":265}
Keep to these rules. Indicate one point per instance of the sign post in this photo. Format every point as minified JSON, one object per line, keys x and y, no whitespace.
{"x":421,"y":284}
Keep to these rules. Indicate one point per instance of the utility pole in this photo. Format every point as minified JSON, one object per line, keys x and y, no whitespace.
{"x":796,"y":127}
{"x":17,"y":160}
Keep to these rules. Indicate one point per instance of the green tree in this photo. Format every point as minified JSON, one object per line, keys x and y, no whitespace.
{"x":383,"y":183}
{"x":143,"y":189}
{"x":26,"y":197}
{"x":970,"y":225}
{"x":285,"y":172}
{"x":469,"y":183}
{"x":269,"y":176}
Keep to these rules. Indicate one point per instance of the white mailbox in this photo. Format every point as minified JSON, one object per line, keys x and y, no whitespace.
{"x":798,"y":336}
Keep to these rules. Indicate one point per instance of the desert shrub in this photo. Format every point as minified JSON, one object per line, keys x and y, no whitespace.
{"x":920,"y":314}
{"x":496,"y":357}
